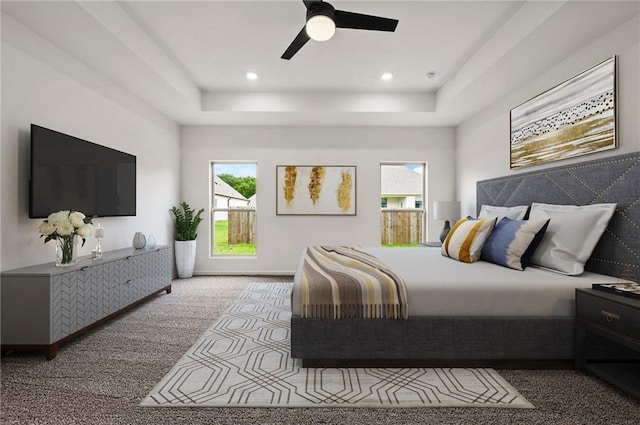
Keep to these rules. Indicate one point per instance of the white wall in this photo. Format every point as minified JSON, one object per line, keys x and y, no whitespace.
{"x":483,"y":141}
{"x":280,"y":239}
{"x":50,"y":94}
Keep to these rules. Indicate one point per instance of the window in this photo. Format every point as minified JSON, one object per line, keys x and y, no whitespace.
{"x":233,"y":208}
{"x":402,"y":200}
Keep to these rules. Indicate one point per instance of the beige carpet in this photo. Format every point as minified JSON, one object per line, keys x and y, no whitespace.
{"x":243,"y":360}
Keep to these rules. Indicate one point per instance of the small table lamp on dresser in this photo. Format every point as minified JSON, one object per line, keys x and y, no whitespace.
{"x":446,"y":210}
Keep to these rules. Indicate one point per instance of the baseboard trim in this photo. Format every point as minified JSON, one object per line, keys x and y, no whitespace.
{"x":287,"y":274}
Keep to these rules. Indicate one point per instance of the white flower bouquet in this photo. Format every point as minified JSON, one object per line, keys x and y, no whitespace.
{"x":64,"y":227}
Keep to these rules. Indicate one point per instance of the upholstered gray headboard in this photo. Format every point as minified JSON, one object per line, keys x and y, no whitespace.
{"x":613,"y":179}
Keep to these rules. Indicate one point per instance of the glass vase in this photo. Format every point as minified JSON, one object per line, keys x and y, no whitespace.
{"x":98,"y":233}
{"x":66,"y":251}
{"x":151,"y":242}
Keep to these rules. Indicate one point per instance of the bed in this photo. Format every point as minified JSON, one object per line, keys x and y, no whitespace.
{"x":482,"y":314}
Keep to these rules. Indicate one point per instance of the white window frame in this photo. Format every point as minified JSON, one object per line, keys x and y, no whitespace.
{"x":213,"y":209}
{"x":425,"y":179}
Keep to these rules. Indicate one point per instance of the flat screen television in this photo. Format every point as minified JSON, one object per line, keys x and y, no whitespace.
{"x":68,"y":173}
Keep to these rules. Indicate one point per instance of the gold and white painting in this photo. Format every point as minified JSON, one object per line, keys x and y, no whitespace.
{"x":316,"y":190}
{"x":574,"y":118}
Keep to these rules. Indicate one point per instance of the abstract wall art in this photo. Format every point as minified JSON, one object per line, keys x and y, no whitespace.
{"x":316,"y":190}
{"x":575,"y":118}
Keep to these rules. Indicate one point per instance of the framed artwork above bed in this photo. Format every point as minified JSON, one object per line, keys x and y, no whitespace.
{"x":316,"y":190}
{"x":576,"y":117}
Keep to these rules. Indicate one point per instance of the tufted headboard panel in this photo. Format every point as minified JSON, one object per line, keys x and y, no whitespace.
{"x":613,"y":179}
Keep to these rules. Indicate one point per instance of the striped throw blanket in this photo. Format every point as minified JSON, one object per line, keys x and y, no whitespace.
{"x":344,"y":282}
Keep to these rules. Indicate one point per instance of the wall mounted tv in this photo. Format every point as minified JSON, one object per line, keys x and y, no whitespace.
{"x":68,"y":173}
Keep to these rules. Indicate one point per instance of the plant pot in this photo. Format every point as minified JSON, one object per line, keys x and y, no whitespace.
{"x":185,"y":252}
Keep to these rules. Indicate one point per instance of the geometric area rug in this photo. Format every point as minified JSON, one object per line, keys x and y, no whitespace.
{"x":243,"y":360}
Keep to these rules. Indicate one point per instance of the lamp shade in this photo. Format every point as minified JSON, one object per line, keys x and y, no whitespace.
{"x":446,"y":210}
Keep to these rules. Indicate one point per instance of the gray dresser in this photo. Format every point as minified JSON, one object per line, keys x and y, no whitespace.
{"x":44,"y":306}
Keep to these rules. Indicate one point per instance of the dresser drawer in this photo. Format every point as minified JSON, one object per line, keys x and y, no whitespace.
{"x":607,"y":313}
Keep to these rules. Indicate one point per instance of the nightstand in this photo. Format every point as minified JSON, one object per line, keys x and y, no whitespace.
{"x":616,"y":319}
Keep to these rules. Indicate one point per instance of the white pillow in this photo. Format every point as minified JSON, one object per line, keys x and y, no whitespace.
{"x":572,"y":234}
{"x":514,"y":213}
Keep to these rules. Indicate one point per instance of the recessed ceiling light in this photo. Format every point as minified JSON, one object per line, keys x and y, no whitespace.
{"x":386,"y":76}
{"x":252,"y":75}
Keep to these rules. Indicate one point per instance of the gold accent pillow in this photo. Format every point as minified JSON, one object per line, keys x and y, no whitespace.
{"x":466,"y":239}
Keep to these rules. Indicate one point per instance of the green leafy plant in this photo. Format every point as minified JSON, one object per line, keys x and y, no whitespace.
{"x":186,"y":222}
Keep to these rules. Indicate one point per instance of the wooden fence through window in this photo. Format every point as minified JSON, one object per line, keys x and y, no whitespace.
{"x":402,"y":226}
{"x":242,"y":226}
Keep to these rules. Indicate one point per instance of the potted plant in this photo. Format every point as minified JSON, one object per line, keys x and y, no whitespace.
{"x":187,"y":222}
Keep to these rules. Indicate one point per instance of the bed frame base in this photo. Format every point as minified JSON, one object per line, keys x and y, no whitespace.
{"x":434,"y":340}
{"x":435,"y":363}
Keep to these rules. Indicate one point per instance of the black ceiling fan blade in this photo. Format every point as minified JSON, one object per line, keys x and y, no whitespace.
{"x":363,"y":22}
{"x":308,"y":3}
{"x":297,"y":43}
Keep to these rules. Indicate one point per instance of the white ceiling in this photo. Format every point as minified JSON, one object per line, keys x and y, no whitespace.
{"x":188,"y":59}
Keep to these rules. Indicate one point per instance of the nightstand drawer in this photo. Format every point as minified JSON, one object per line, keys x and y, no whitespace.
{"x":609,"y":314}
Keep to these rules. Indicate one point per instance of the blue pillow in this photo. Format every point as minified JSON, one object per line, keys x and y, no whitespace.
{"x":512,"y":242}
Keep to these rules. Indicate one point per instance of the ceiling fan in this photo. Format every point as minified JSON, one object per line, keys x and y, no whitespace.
{"x":323,"y":19}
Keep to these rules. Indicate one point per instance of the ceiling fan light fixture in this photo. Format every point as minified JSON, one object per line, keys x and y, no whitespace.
{"x":322,"y":20}
{"x":320,"y":27}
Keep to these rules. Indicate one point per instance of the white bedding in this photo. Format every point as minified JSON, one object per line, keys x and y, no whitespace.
{"x":441,"y":286}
